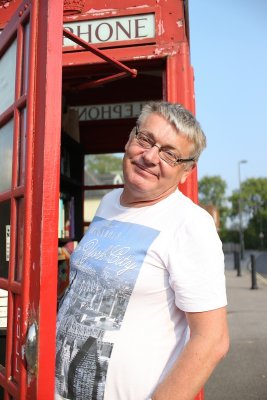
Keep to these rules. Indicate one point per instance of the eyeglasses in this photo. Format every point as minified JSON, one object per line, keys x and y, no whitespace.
{"x":145,"y":141}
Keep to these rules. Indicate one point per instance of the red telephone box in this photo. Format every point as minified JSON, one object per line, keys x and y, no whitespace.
{"x":110,"y":58}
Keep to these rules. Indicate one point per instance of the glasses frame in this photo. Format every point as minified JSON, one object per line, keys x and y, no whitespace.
{"x":151,"y":143}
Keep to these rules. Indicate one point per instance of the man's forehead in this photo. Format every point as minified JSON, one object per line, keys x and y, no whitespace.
{"x":155,"y":118}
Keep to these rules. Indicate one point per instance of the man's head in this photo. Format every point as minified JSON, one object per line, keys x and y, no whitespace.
{"x":182,"y":120}
{"x":161,"y":152}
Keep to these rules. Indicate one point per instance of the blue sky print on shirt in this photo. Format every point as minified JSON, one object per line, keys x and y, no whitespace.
{"x":104,"y":269}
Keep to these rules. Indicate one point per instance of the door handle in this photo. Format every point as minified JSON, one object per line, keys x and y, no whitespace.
{"x":31,"y":348}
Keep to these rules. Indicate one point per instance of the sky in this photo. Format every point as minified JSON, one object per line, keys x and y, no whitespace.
{"x":228,"y":44}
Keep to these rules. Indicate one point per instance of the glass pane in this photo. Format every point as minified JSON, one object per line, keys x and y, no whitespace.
{"x":22,"y":147}
{"x":6,"y":154}
{"x":7,"y":77}
{"x":3,"y":316}
{"x":19,"y":239}
{"x":100,"y":169}
{"x":92,"y":199}
{"x":25,"y":65}
{"x":103,"y":169}
{"x":4,"y":238}
{"x":3,"y":326}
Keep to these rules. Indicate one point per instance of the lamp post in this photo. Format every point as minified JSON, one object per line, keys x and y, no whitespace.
{"x":240,"y":209}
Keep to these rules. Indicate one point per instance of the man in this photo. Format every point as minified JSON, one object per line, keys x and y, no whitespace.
{"x":144,"y":316}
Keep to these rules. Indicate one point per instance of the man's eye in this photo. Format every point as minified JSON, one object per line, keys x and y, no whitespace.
{"x":170,"y":154}
{"x":145,"y":139}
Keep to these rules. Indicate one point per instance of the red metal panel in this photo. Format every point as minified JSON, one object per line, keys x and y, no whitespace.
{"x":32,"y":289}
{"x":92,"y":49}
{"x":47,"y":127}
{"x":10,"y":375}
{"x":169,"y":30}
{"x":179,"y":88}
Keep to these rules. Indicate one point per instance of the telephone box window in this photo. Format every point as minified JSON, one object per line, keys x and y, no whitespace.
{"x":22,"y":147}
{"x":8,"y":77}
{"x":25,"y":65}
{"x":6,"y":155}
{"x":102,"y":173}
{"x":19,"y":239}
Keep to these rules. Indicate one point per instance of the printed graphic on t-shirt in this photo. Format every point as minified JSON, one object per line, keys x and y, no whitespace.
{"x":105,"y":267}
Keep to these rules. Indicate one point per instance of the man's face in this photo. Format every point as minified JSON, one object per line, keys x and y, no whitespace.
{"x":147,"y":177}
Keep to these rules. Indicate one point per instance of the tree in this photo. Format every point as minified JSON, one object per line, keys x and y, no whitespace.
{"x":103,"y":169}
{"x":103,"y":163}
{"x":212,"y":192}
{"x":253,"y":198}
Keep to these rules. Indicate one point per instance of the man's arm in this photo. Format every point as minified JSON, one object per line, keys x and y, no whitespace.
{"x":209,"y":342}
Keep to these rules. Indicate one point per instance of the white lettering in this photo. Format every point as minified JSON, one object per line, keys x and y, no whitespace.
{"x":118,"y":255}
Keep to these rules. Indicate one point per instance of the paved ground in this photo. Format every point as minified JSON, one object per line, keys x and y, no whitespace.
{"x":242,"y":375}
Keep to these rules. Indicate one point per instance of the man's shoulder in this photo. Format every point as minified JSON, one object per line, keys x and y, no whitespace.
{"x":188,"y":212}
{"x":183,"y":202}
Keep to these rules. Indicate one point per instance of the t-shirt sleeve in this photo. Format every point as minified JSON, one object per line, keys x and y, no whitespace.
{"x":196,"y":265}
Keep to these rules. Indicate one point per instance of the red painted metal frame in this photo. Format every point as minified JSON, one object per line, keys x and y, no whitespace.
{"x":33,"y":297}
{"x":12,"y":375}
{"x":169,"y":24}
{"x":124,"y":11}
{"x":126,"y":70}
{"x":45,"y":190}
{"x":180,"y":89}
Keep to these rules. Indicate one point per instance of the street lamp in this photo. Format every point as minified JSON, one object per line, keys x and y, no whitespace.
{"x":240,"y":209}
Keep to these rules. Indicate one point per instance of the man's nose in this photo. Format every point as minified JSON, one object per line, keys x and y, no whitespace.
{"x":152,"y":154}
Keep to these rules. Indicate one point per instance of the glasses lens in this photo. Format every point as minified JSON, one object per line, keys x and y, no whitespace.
{"x":147,"y":143}
{"x":169,"y":157}
{"x":144,"y":140}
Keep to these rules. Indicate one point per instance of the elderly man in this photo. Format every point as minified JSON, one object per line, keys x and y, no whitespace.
{"x":144,"y":316}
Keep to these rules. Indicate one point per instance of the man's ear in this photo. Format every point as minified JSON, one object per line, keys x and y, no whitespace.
{"x":187,"y":172}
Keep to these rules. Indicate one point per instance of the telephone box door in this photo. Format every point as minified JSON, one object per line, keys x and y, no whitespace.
{"x":30,"y":113}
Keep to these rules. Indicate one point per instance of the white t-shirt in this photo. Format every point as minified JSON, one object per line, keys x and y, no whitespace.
{"x":135,"y":273}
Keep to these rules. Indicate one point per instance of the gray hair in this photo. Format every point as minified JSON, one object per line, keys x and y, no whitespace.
{"x":183,"y":120}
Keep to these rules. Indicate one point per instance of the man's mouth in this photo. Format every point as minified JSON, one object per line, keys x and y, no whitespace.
{"x":145,"y":169}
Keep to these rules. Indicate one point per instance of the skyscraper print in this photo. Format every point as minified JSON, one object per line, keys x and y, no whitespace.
{"x":104,"y":269}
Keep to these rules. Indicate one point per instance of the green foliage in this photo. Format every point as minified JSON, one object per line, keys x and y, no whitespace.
{"x":252,"y":200}
{"x":229,"y":235}
{"x":212,"y":192}
{"x":256,"y":231}
{"x":253,"y":197}
{"x":103,"y":163}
